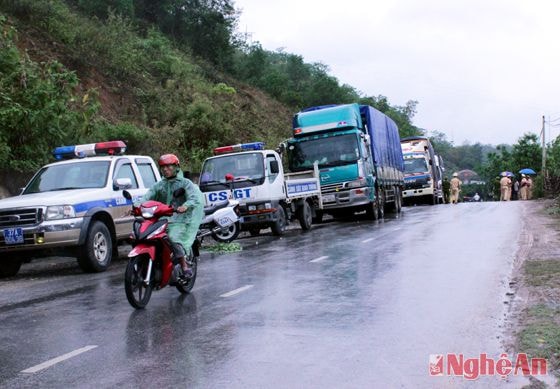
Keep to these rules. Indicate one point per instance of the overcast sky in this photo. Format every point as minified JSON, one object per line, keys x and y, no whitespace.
{"x":481,"y":70}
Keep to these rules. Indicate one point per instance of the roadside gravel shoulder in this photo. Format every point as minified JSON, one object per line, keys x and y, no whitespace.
{"x":533,"y":320}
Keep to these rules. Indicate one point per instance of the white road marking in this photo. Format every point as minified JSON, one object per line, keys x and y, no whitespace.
{"x":367,"y":240}
{"x":236,"y":291}
{"x":319,"y":259}
{"x":56,"y":360}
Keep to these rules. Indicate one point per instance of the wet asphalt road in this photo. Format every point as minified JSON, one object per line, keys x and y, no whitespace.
{"x":346,"y":305}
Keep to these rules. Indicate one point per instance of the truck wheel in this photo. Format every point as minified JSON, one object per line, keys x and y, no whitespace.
{"x":255,"y":231}
{"x":398,"y":200}
{"x":372,"y":211}
{"x":96,"y":254}
{"x":228,"y":234}
{"x":381,"y":205}
{"x":318,"y":218}
{"x":9,"y":267}
{"x":304,"y":216}
{"x":279,"y":225}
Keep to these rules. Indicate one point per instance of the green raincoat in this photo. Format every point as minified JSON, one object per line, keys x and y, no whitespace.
{"x":182,"y":227}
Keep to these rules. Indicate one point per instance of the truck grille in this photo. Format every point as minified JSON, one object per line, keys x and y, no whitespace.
{"x":20,"y":217}
{"x":331,"y":188}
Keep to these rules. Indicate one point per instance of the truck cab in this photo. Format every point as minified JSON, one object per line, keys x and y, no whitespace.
{"x":422,"y":174}
{"x":358,"y":154}
{"x":255,"y":177}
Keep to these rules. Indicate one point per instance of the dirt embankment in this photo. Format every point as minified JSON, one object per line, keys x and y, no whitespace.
{"x":533,"y":322}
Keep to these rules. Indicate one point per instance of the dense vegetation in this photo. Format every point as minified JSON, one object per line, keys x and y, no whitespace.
{"x":172,"y":75}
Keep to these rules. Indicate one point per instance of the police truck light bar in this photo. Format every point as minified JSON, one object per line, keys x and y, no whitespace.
{"x":116,"y":147}
{"x":238,"y":148}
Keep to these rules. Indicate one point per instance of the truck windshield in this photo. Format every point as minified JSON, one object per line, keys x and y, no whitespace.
{"x":415,"y":165}
{"x":79,"y":175}
{"x":247,"y":170}
{"x":329,"y":151}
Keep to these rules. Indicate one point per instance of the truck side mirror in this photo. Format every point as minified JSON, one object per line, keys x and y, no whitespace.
{"x":431,"y":163}
{"x":274,"y":168}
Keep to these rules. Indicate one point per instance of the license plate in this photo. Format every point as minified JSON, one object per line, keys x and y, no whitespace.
{"x":329,"y":198}
{"x":13,"y":235}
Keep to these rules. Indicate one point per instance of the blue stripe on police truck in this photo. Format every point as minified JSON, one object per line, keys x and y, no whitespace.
{"x":244,"y":193}
{"x":301,"y":188}
{"x":107,"y":203}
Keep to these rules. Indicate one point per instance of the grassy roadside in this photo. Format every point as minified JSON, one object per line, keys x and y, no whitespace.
{"x":540,"y":336}
{"x":539,"y":331}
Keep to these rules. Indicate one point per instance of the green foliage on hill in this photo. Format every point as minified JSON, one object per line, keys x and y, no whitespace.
{"x":165,"y":76}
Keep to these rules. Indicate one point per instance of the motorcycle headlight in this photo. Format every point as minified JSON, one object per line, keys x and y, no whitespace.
{"x":148,"y":212}
{"x":56,"y":212}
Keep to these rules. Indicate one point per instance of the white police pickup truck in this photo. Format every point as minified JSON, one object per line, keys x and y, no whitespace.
{"x":74,"y":206}
{"x":267,"y":196}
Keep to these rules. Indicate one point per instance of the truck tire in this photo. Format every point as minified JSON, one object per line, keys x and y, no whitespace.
{"x":372,"y":211}
{"x":318,"y":218}
{"x":96,"y":254}
{"x":381,"y":204}
{"x":9,"y":266}
{"x":304,"y":216}
{"x":398,"y":200}
{"x":279,"y":225}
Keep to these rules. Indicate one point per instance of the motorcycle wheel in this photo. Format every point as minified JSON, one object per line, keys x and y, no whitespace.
{"x":227,"y":235}
{"x":186,"y":288}
{"x":137,"y":292}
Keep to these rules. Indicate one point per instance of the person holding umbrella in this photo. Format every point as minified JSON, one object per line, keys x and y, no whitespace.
{"x":523,"y":189}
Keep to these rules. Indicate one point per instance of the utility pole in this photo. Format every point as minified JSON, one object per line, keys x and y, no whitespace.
{"x":543,"y":171}
{"x":543,"y":147}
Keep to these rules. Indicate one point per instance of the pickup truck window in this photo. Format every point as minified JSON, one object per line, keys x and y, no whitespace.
{"x":125,"y":171}
{"x":327,"y":151}
{"x":147,"y":173}
{"x":78,"y":175}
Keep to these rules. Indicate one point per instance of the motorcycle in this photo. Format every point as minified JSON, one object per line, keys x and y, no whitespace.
{"x":221,"y":221}
{"x":151,"y":263}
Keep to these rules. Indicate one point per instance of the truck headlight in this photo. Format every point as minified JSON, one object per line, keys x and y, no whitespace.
{"x":356,"y":183}
{"x":55,"y":212}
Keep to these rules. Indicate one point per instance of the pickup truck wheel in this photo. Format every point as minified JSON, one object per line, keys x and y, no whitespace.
{"x":96,"y":254}
{"x":9,"y":267}
{"x":304,"y":216}
{"x":227,"y":234}
{"x":279,"y":225}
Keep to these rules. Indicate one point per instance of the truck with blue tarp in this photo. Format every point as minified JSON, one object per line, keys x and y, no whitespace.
{"x":268,"y":197}
{"x":357,"y":149}
{"x":423,"y":171}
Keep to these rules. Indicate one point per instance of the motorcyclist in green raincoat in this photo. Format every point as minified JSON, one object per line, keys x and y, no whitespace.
{"x":184,"y":224}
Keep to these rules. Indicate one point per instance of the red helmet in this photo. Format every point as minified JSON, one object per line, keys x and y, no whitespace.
{"x":168,"y":159}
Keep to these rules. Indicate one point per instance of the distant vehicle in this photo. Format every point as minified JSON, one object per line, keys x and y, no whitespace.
{"x":423,"y":171}
{"x":74,"y":206}
{"x":358,"y":154}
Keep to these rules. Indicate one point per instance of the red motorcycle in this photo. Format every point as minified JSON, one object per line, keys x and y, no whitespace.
{"x":150,"y":264}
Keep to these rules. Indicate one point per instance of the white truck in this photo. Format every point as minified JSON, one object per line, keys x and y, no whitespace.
{"x":267,"y":196}
{"x":74,"y":206}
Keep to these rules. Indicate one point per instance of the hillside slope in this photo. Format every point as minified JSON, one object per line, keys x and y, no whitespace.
{"x":174,"y":103}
